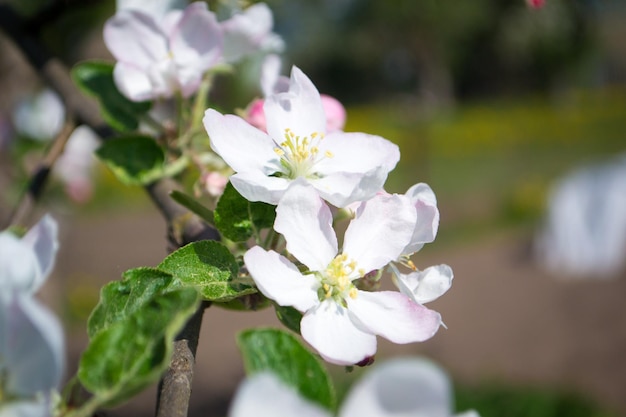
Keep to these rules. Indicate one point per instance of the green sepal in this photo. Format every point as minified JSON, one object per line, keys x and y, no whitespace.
{"x":135,"y":160}
{"x":281,"y":353}
{"x":95,"y":78}
{"x":210,"y":267}
{"x":238,"y":219}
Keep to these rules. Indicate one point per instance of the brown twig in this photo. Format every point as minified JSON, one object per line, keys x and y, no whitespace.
{"x":183,"y":227}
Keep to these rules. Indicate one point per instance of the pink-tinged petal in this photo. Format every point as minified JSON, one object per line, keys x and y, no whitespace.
{"x":427,"y":285}
{"x":299,"y":109}
{"x":135,"y":38}
{"x":265,"y":395}
{"x":31,"y":343}
{"x":44,"y":242}
{"x":306,"y":222}
{"x":196,"y":42}
{"x":280,"y":280}
{"x":170,"y":21}
{"x":335,"y":113}
{"x":400,"y":387}
{"x":329,"y":329}
{"x":156,"y":8}
{"x":393,"y":316}
{"x":246,"y":31}
{"x":427,"y":223}
{"x":240,"y":145}
{"x":255,"y":186}
{"x":255,"y":115}
{"x":133,"y":82}
{"x":381,"y":229}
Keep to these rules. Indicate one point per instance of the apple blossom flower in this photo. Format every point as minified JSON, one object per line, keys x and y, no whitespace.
{"x":423,"y":199}
{"x":250,"y":31}
{"x":157,"y":58}
{"x":26,"y":263}
{"x":272,"y":83}
{"x":340,"y":321}
{"x":402,"y":387}
{"x":156,"y":8}
{"x":342,"y":167}
{"x":31,"y":338}
{"x":424,"y":286}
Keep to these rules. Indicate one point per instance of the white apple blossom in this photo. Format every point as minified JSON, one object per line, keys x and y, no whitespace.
{"x":340,"y":321}
{"x":423,"y":199}
{"x":74,"y":166}
{"x":272,"y":83}
{"x":157,"y":8}
{"x":39,"y":116}
{"x":402,"y":387}
{"x":342,"y":167}
{"x":157,"y":58}
{"x":424,"y":286}
{"x":250,"y":31}
{"x":31,"y":339}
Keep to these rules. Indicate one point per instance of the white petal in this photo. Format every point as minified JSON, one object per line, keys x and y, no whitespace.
{"x":306,"y":222}
{"x":31,"y":343}
{"x":401,"y":387}
{"x":299,"y":109}
{"x":427,"y":285}
{"x":329,"y":329}
{"x":43,"y":240}
{"x":394,"y":316}
{"x":245,"y":32}
{"x":255,"y":186}
{"x":381,"y":230}
{"x":135,"y":38}
{"x":241,"y":146}
{"x":339,"y":189}
{"x":18,"y":265}
{"x":156,"y":8}
{"x":196,"y":41}
{"x":270,"y":71}
{"x":470,"y":413}
{"x":37,"y":408}
{"x":280,"y":280}
{"x":427,"y":223}
{"x":265,"y":395}
{"x":133,"y":82}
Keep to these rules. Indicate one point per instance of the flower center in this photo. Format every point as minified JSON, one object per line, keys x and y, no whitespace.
{"x":299,"y":154}
{"x":337,"y":279}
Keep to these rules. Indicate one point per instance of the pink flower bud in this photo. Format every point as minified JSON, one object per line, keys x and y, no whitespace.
{"x":214,"y":183}
{"x":536,"y":4}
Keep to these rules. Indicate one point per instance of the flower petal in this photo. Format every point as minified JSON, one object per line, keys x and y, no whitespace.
{"x":393,"y":316}
{"x":196,"y":42}
{"x":381,"y":229}
{"x":258,"y":187}
{"x":135,"y":38}
{"x":306,"y":222}
{"x":265,"y":395}
{"x":329,"y":329}
{"x":43,"y":240}
{"x":299,"y":109}
{"x":427,"y":285}
{"x":18,"y":265}
{"x":400,"y":387}
{"x":240,"y":145}
{"x":280,"y":280}
{"x":31,"y":343}
{"x":245,"y":32}
{"x":427,"y":223}
{"x":134,"y":83}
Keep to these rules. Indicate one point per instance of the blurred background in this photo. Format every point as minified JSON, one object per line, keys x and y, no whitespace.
{"x":514,"y":115}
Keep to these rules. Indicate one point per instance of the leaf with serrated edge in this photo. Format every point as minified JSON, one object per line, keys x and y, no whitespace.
{"x":131,"y":354}
{"x":282,"y":354}
{"x":135,"y":160}
{"x":208,"y":266}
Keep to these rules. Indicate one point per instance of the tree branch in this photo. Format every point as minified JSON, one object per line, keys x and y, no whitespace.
{"x":183,"y":227}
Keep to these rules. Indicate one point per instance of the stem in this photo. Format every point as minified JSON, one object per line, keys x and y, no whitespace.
{"x":199,"y":106}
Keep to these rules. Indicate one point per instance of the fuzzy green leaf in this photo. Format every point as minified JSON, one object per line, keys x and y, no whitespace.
{"x":238,"y":219}
{"x":282,"y":354}
{"x":210,"y":267}
{"x":95,"y":78}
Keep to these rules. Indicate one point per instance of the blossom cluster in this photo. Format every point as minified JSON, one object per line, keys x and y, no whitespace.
{"x":31,"y":338}
{"x":289,"y":150}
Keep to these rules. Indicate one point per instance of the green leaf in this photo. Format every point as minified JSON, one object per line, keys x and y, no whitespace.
{"x":132,"y":353}
{"x":210,"y":267}
{"x":194,"y":206}
{"x":282,"y":354}
{"x":95,"y":78}
{"x":290,"y":317}
{"x":135,"y":160}
{"x":238,"y":219}
{"x":120,"y":299}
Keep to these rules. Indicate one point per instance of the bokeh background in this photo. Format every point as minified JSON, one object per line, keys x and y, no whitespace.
{"x":492,"y":103}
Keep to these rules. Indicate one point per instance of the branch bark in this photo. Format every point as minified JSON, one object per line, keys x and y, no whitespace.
{"x":183,"y":227}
